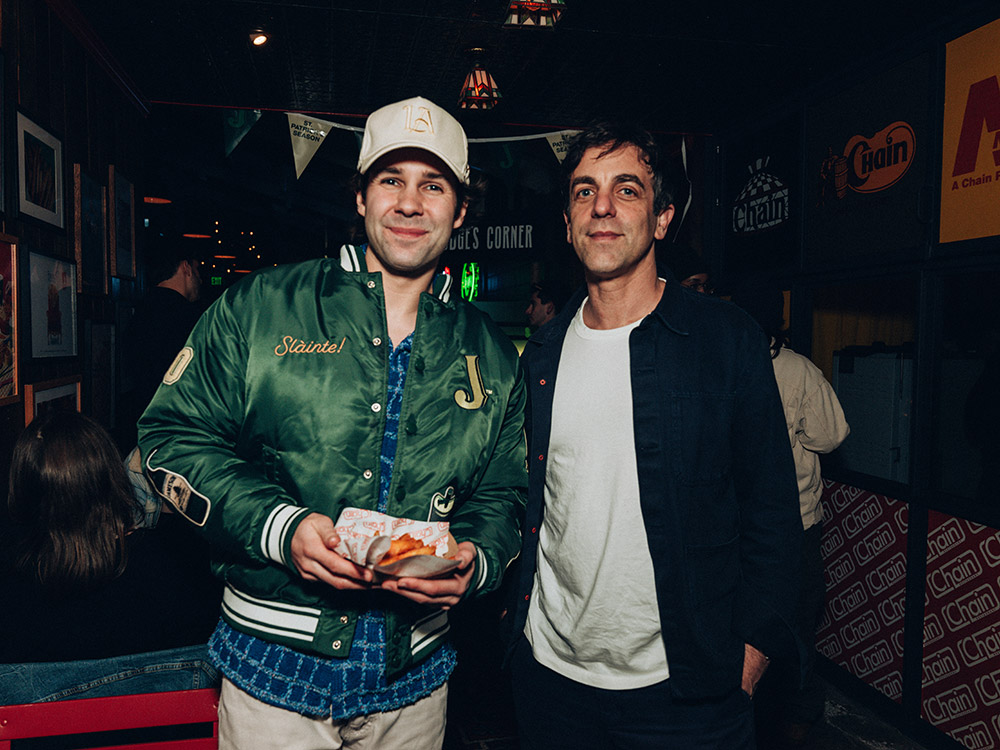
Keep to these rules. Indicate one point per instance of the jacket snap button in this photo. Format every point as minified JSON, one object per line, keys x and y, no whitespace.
{"x":377,"y":341}
{"x":376,"y":407}
{"x":368,"y":474}
{"x":541,"y":457}
{"x":534,"y":529}
{"x":345,"y":619}
{"x":371,"y":284}
{"x":337,"y":644}
{"x":541,"y":382}
{"x":527,"y":596}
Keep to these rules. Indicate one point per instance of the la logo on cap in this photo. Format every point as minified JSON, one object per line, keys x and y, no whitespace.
{"x":422,"y":124}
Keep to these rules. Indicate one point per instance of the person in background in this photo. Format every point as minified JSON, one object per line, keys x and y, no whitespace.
{"x":816,"y":424}
{"x":656,"y":574}
{"x":688,"y":267}
{"x":358,"y":382}
{"x":545,"y":301}
{"x":93,"y":604}
{"x":158,"y":329}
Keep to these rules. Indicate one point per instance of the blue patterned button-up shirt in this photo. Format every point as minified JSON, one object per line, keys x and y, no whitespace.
{"x":341,"y":688}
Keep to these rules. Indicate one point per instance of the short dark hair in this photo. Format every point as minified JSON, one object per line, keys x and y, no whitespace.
{"x":165,"y":254}
{"x":71,"y":496}
{"x":611,"y":136}
{"x":551,"y":291}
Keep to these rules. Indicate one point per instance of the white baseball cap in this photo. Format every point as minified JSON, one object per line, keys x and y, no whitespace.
{"x":415,"y":123}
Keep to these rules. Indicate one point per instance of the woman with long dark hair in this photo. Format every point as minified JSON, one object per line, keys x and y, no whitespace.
{"x":94,"y":604}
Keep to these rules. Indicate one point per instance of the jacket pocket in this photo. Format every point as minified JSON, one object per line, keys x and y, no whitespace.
{"x":713,"y":575}
{"x":699,"y":428}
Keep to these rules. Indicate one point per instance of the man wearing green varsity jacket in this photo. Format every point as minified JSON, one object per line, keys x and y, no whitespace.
{"x":358,"y":382}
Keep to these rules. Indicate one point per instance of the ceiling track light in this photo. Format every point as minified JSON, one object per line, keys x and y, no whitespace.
{"x":259,"y":37}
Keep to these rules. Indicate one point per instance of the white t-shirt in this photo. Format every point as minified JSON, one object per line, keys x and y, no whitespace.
{"x":593,"y":615}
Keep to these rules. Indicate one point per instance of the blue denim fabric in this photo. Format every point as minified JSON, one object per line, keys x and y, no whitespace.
{"x":184,"y":668}
{"x":148,"y":503}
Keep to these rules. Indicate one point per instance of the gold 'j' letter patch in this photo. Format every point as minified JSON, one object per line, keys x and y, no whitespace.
{"x":181,"y":361}
{"x":477,"y":397}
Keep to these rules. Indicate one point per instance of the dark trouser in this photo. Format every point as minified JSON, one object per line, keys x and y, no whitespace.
{"x":554,"y":712}
{"x":779,"y":699}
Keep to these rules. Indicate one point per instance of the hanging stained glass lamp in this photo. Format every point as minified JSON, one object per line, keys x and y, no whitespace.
{"x":479,"y":91}
{"x":540,"y":13}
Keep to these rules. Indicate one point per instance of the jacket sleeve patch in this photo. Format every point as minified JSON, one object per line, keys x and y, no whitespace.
{"x":179,"y":365}
{"x":176,"y":490}
{"x":442,"y":504}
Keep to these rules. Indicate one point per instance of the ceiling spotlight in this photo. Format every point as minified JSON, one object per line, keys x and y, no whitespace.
{"x":259,"y":37}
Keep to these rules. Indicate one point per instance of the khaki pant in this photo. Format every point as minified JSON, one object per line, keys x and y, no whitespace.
{"x":246,"y":723}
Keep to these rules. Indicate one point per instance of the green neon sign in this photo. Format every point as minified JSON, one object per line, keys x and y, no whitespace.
{"x":470,"y":281}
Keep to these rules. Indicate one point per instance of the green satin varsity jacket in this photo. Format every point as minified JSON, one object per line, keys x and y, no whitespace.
{"x":274,"y":409}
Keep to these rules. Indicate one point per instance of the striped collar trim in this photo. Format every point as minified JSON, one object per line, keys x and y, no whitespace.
{"x":352,"y":260}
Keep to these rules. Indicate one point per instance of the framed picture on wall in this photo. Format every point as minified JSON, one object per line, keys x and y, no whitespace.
{"x":9,"y":386}
{"x":52,"y":292}
{"x":121,"y":220}
{"x":40,"y":172}
{"x":51,"y":395}
{"x":89,"y":243}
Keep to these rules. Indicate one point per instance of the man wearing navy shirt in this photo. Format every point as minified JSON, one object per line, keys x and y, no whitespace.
{"x":657,"y":573}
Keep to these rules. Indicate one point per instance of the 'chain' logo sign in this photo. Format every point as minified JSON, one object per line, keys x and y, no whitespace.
{"x":848,"y":600}
{"x":940,"y":665}
{"x":971,"y":607}
{"x":878,"y":541}
{"x":980,"y":646}
{"x":872,"y":659}
{"x":975,"y":736}
{"x":954,"y":574}
{"x":860,"y":519}
{"x":947,"y":536}
{"x":951,"y":704}
{"x":988,"y":687}
{"x":886,"y":574}
{"x":859,"y":629}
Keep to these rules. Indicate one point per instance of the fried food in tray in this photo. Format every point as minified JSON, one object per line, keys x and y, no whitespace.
{"x":411,"y":557}
{"x":406,"y":546}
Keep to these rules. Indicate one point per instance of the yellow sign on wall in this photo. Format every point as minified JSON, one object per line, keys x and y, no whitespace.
{"x":970,"y":167}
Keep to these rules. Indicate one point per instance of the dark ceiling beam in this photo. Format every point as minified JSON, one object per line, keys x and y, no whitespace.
{"x":70,"y":15}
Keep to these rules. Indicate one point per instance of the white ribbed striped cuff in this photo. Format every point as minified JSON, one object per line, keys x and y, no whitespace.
{"x":272,"y":538}
{"x":481,"y":569}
